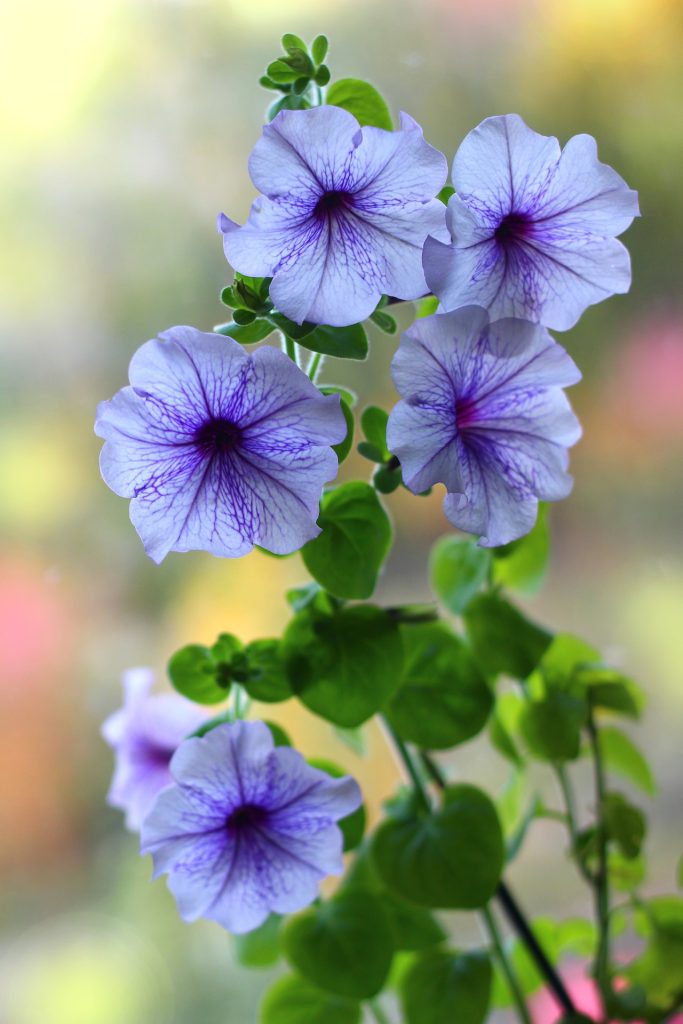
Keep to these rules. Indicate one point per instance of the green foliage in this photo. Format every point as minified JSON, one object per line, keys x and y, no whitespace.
{"x":203,"y":674}
{"x":443,"y":699}
{"x":659,"y":970}
{"x":248,"y":334}
{"x":445,"y":194}
{"x":503,"y":639}
{"x":344,"y":447}
{"x":343,"y":342}
{"x":624,"y":824}
{"x":373,"y":423}
{"x":265,"y":678}
{"x":440,"y":987}
{"x":557,"y":938}
{"x":552,"y":726}
{"x":260,"y":948}
{"x":449,"y":859}
{"x":353,"y":825}
{"x":522,"y":564}
{"x":621,"y":756}
{"x":344,"y":664}
{"x":293,"y":1000}
{"x":344,"y":945}
{"x":356,"y":536}
{"x":457,"y":570}
{"x":362,"y":100}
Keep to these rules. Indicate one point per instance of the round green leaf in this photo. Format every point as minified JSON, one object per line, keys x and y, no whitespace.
{"x":552,"y":726}
{"x":356,"y":536}
{"x":502,"y":638}
{"x":373,"y":423}
{"x":260,"y":947}
{"x":443,"y":698}
{"x":345,"y":945}
{"x":293,"y":1000}
{"x":353,"y":825}
{"x":345,"y":665}
{"x":266,"y":678}
{"x":413,"y":928}
{"x":450,"y":859}
{"x":521,"y":565}
{"x":195,"y":674}
{"x":248,"y":334}
{"x":362,"y":100}
{"x":441,"y":987}
{"x":457,"y":570}
{"x":343,"y":342}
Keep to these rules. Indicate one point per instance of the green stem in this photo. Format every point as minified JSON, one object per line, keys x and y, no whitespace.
{"x":378,"y":1011}
{"x":571,"y":819}
{"x":315,"y":365}
{"x":290,"y":349}
{"x":506,"y":966}
{"x":601,"y":877}
{"x":410,"y":767}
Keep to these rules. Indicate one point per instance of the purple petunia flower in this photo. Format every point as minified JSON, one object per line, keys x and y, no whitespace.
{"x":533,"y":229}
{"x":217,"y":448}
{"x":248,"y":829}
{"x":483,"y":413}
{"x":343,"y":217}
{"x":144,"y":734}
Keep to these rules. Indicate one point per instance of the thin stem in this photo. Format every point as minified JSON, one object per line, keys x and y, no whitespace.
{"x":413,"y":613}
{"x":521,"y":926}
{"x":290,"y":349}
{"x":378,"y":1011}
{"x":602,"y":875}
{"x":571,"y":820}
{"x":516,"y":917}
{"x":315,"y":365}
{"x":410,"y":767}
{"x":506,"y":966}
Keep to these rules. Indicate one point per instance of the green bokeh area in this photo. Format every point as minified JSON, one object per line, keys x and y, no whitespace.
{"x":126,"y":129}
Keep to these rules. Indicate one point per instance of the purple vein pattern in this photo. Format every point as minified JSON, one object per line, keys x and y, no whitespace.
{"x":343,"y":215}
{"x":533,"y":228}
{"x":144,"y":734}
{"x":219,"y":449}
{"x":248,"y":828}
{"x":483,"y":412}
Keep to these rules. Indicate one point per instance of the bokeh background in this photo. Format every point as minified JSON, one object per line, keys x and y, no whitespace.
{"x":125,"y":128}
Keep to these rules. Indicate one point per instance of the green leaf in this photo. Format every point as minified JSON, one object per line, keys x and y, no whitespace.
{"x":356,"y":536}
{"x":450,"y":859}
{"x":522,"y":564}
{"x":443,"y":699}
{"x":195,"y":674}
{"x":610,"y":690}
{"x":354,"y":739}
{"x":370,"y":452}
{"x":291,"y":101}
{"x":552,"y":726}
{"x":457,"y":570}
{"x":322,"y":75}
{"x":625,"y":824}
{"x":622,"y":757}
{"x":353,"y":825}
{"x":373,"y":423}
{"x":293,"y":1000}
{"x":343,"y":342}
{"x":319,"y":49}
{"x":344,"y":666}
{"x":246,"y":335}
{"x":386,"y":480}
{"x":345,"y":945}
{"x":385,"y":322}
{"x":266,"y":678}
{"x":565,"y":656}
{"x":413,"y":928}
{"x":292,"y":43}
{"x":504,"y":725}
{"x":441,"y":987}
{"x":659,"y":970}
{"x":626,"y":874}
{"x":243,"y":317}
{"x":362,"y":100}
{"x":445,"y":194}
{"x":281,"y":72}
{"x":427,"y":306}
{"x":280,"y":737}
{"x":260,"y":948}
{"x":503,"y":639}
{"x":344,"y":447}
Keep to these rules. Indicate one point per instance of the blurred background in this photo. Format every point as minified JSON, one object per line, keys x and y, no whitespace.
{"x":126,"y":127}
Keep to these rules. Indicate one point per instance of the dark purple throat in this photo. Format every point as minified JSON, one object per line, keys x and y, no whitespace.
{"x":465,"y":413}
{"x":246,"y":817}
{"x":330,"y":202}
{"x":514,"y":227}
{"x":218,"y":436}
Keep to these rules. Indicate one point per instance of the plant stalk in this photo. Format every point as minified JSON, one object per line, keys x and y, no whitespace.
{"x":506,"y":966}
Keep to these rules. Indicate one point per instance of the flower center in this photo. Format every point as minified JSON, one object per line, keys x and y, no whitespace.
{"x":246,"y":816}
{"x":465,"y":413}
{"x":218,"y":436}
{"x":331,"y":201}
{"x":514,"y":227}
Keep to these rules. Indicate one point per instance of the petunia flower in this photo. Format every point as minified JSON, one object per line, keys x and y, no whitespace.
{"x":533,"y":228}
{"x":483,"y":413}
{"x":247,"y":829}
{"x":219,"y":449}
{"x":343,"y":216}
{"x":144,"y":734}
